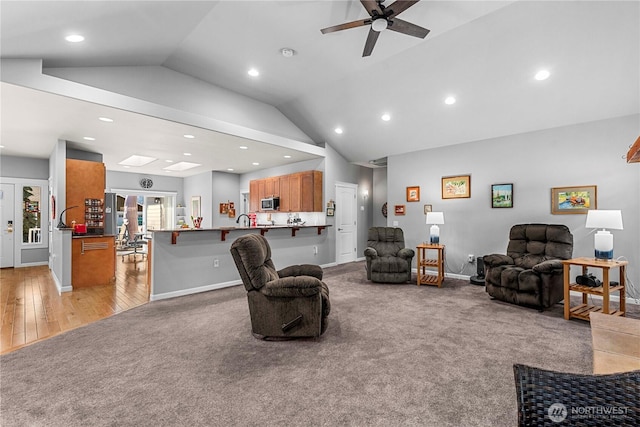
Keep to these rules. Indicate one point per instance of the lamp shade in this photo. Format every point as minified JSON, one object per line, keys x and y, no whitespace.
{"x":435,"y":217}
{"x":611,"y":219}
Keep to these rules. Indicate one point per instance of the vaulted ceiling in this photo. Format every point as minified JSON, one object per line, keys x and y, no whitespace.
{"x":485,"y":53}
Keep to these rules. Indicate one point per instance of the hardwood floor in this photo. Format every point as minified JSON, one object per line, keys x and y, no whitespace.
{"x":32,"y":310}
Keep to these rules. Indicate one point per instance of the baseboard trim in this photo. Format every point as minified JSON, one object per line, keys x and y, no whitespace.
{"x":449,"y":275}
{"x":190,"y":291}
{"x":612,"y":298}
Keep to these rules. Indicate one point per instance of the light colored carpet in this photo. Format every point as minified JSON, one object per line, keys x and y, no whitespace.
{"x":392,"y":355}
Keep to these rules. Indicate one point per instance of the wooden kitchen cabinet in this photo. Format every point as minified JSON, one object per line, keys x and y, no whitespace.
{"x":295,"y":202}
{"x":85,"y":180}
{"x":285,"y":189}
{"x":254,"y":199}
{"x":311,"y":191}
{"x":272,"y":187}
{"x":298,"y":192}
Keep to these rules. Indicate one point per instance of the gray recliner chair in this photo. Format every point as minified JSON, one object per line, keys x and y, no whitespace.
{"x":287,"y":303}
{"x":531,"y":273}
{"x":388,"y":261}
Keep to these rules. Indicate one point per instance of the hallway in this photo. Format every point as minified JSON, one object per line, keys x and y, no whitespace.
{"x":32,"y":310}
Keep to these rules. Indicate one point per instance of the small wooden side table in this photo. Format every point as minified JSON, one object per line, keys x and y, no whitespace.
{"x":582,"y":311}
{"x":425,"y":265}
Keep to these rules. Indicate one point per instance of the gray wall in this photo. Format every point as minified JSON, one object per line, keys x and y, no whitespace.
{"x":24,"y":167}
{"x":130,"y":180}
{"x":379,"y":196}
{"x":200,"y":185}
{"x":226,"y":188}
{"x":584,"y":154}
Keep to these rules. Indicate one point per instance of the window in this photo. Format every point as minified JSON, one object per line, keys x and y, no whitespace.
{"x":31,"y":214}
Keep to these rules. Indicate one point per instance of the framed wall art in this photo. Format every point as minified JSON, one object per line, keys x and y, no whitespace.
{"x":427,"y":209}
{"x":413,"y":194}
{"x":502,"y":195}
{"x":399,"y":209}
{"x":456,"y":187}
{"x":574,"y":200}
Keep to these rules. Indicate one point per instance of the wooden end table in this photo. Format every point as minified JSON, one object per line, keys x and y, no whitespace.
{"x":425,"y":265}
{"x":582,"y":311}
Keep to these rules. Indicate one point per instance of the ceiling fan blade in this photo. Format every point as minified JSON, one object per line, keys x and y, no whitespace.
{"x":404,"y":27}
{"x":370,"y":43}
{"x":346,"y":26}
{"x":399,"y":6}
{"x":371,"y":6}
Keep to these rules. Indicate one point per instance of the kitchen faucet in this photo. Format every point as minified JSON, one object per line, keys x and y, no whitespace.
{"x":245,"y":221}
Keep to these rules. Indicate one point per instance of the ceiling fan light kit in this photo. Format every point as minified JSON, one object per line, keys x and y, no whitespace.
{"x":382,"y":18}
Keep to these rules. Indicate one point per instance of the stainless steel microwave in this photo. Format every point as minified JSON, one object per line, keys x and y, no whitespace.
{"x":270,"y":204}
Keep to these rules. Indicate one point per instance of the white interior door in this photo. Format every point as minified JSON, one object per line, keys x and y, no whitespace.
{"x":7,"y":224}
{"x":346,"y":227}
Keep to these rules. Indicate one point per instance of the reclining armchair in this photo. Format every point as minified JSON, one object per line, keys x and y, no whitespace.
{"x":292,"y":302}
{"x":388,"y":261}
{"x":531,"y":273}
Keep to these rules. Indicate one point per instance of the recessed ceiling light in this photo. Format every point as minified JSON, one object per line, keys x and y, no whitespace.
{"x":253,"y":72}
{"x":255,"y":164}
{"x":74,"y":38}
{"x":1,"y":146}
{"x":188,"y":136}
{"x":542,"y":75}
{"x":127,"y":167}
{"x":187,"y":154}
{"x":338,"y":131}
{"x":230,"y":169}
{"x":386,"y":117}
{"x":243,"y":147}
{"x":137,"y":160}
{"x":181,"y":166}
{"x":287,"y":156}
{"x":169,"y":161}
{"x":88,"y":138}
{"x":105,"y":119}
{"x":449,"y":100}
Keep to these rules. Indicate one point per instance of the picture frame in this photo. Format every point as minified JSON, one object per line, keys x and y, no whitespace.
{"x":456,"y":187}
{"x":413,"y":194}
{"x":399,"y":209}
{"x":502,"y":195}
{"x":195,"y":207}
{"x":574,"y":200}
{"x":331,"y":208}
{"x":427,"y":209}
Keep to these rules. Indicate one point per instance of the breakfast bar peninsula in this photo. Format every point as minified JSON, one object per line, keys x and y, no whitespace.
{"x":190,"y":260}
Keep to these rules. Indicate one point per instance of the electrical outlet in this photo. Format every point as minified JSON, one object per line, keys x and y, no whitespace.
{"x":216,"y":262}
{"x":472,"y":258}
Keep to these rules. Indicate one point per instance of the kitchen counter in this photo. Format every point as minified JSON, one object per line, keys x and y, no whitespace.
{"x":89,"y":236}
{"x":225,"y":230}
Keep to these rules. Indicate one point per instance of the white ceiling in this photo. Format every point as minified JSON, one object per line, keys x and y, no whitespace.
{"x":483,"y":52}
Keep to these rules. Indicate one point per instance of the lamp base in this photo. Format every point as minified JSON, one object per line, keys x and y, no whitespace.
{"x":434,"y":240}
{"x":604,"y":254}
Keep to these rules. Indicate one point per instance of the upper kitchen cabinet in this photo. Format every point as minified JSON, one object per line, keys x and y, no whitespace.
{"x":298,"y":192}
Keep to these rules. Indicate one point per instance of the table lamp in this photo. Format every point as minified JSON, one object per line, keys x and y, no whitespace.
{"x":434,"y":232}
{"x":603,"y":241}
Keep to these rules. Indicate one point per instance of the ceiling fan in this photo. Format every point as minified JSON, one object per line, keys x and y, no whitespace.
{"x":382,"y":17}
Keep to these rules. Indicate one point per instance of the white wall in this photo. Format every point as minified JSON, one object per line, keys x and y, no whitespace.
{"x":583,"y":154}
{"x":184,"y":93}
